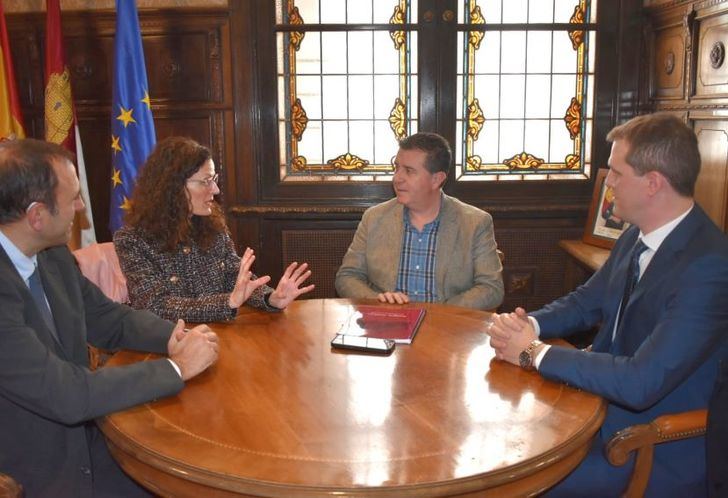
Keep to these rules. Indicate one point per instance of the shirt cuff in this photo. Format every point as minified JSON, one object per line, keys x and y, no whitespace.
{"x":537,"y":330}
{"x":541,"y":354}
{"x":535,"y":325}
{"x":176,"y":368}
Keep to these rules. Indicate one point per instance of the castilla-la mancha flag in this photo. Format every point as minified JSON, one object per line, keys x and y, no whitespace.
{"x":61,"y":126}
{"x":11,"y":119}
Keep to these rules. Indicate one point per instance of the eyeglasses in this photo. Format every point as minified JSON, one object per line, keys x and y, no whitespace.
{"x":207,"y":182}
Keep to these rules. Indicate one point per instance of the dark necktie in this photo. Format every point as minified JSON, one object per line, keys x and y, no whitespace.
{"x":633,"y":275}
{"x":36,"y":289}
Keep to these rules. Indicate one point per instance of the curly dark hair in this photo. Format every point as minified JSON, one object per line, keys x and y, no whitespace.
{"x":160,"y":203}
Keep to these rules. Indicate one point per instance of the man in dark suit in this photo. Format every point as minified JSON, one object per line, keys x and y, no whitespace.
{"x":48,"y":313}
{"x":662,"y":302}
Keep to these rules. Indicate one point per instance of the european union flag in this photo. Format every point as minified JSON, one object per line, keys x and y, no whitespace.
{"x":132,"y":125}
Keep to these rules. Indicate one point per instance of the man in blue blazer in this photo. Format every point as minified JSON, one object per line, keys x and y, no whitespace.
{"x":48,"y":312}
{"x":662,"y":302}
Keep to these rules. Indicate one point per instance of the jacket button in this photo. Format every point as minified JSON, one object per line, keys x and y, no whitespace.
{"x":86,"y":471}
{"x":173,"y":278}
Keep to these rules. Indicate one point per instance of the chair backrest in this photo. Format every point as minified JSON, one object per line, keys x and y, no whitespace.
{"x":100,"y":264}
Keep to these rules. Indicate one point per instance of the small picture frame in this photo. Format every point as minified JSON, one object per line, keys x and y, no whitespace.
{"x":603,"y":228}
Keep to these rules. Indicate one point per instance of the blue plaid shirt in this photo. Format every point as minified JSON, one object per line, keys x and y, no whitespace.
{"x":416,"y":276}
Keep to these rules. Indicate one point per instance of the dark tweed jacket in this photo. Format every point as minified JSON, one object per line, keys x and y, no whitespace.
{"x":190,"y":284}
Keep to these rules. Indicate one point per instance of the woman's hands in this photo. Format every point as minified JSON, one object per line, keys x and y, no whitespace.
{"x":244,"y":286}
{"x":289,"y":286}
{"x":288,"y":289}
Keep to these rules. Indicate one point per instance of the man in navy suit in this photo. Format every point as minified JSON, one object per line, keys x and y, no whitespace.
{"x":48,"y":313}
{"x":662,"y":302}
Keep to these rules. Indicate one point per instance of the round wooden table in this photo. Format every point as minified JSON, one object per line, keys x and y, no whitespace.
{"x":282,"y":414}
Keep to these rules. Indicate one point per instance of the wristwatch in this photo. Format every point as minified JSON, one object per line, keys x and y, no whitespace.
{"x":528,"y":356}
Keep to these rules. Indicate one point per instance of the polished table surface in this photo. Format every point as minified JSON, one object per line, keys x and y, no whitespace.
{"x":281,"y":414}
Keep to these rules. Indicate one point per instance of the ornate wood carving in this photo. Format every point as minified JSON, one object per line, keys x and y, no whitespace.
{"x":717,"y":54}
{"x":669,"y":62}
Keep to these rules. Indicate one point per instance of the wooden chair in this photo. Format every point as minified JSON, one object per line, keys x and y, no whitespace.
{"x":9,"y":488}
{"x":643,"y":438}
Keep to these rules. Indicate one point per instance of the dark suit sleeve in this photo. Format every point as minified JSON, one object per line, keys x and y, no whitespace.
{"x":693,"y":322}
{"x":579,"y":310}
{"x":33,"y":376}
{"x":55,"y":382}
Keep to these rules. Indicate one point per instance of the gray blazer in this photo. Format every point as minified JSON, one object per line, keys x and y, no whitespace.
{"x":467,"y":269}
{"x":48,"y":395}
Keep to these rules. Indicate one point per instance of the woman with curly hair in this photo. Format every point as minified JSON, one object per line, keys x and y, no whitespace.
{"x":175,"y":249}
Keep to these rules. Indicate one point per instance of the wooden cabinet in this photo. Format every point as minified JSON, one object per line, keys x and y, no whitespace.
{"x":688,"y":75}
{"x":712,"y":187}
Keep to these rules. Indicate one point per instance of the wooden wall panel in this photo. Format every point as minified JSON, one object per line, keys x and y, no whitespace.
{"x":669,"y":66}
{"x":89,"y":57}
{"x":712,"y":70}
{"x":711,"y":191}
{"x":703,"y":26}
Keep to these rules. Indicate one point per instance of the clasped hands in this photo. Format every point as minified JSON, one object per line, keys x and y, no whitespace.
{"x":192,"y":350}
{"x":510,"y":333}
{"x":288,"y":289}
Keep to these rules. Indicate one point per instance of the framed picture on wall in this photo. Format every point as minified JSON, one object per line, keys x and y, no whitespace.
{"x":603,"y":228}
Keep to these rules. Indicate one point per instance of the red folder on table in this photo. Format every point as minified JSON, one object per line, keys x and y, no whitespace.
{"x":398,"y":324}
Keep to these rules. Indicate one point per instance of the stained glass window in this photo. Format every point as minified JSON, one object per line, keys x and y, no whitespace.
{"x":347,"y":87}
{"x":525,"y":89}
{"x":347,"y":82}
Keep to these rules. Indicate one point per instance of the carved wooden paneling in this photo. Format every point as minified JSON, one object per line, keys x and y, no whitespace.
{"x":711,"y":191}
{"x":182,"y":66}
{"x":712,"y":71}
{"x":186,"y":66}
{"x":669,"y":66}
{"x":26,"y":54}
{"x":704,"y":27}
{"x":89,"y":61}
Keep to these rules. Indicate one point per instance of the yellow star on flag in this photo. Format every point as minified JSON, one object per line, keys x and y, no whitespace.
{"x":115,"y":144}
{"x":147,"y":100}
{"x":125,"y":116}
{"x":116,"y":178}
{"x":126,"y":204}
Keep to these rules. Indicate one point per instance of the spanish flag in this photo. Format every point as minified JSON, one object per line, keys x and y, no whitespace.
{"x":11,"y":119}
{"x":61,"y":126}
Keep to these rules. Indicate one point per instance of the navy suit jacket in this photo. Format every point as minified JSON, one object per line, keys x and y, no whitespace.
{"x":665,"y":355}
{"x":48,"y":395}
